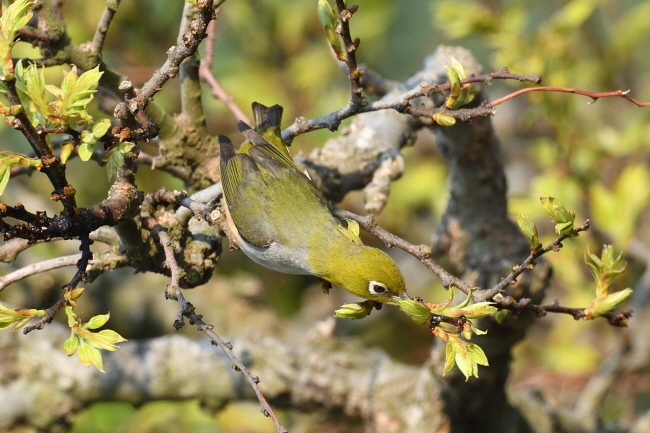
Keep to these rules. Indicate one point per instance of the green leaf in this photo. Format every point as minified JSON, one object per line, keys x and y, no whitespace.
{"x":605,"y":268}
{"x":87,"y":145}
{"x":529,"y":229}
{"x":326,"y":14}
{"x":5,"y":174}
{"x":501,"y":315}
{"x":450,"y":358}
{"x":563,"y":218}
{"x":125,"y":147}
{"x":12,"y":19}
{"x":73,"y":295}
{"x":330,"y":22}
{"x":417,"y":311}
{"x":111,"y":337}
{"x":115,"y":162}
{"x":30,"y":83}
{"x":100,"y":128}
{"x":72,"y":317}
{"x":86,"y":342}
{"x":66,"y":150}
{"x":75,"y":94}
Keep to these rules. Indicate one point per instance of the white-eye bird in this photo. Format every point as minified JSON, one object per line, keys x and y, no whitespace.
{"x":281,"y":221}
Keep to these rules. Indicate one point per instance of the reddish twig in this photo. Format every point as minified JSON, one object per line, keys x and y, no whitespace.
{"x":593,"y":95}
{"x":49,"y":315}
{"x":401,"y":104}
{"x":205,"y":72}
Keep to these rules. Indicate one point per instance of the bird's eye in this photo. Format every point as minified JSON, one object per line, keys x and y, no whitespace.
{"x":377,"y":288}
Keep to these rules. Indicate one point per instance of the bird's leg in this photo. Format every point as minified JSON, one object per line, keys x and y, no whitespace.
{"x":325,"y":286}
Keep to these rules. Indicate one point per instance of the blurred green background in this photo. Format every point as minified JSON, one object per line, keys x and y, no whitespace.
{"x":594,"y":157}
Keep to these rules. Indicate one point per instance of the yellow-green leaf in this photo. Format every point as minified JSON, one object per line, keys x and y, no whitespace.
{"x":14,"y":18}
{"x":66,"y":150}
{"x":111,"y":337}
{"x":599,"y":307}
{"x":71,"y":344}
{"x":529,"y":229}
{"x":86,"y":148}
{"x":10,"y":159}
{"x":30,"y":82}
{"x":90,"y":355}
{"x":100,"y":128}
{"x":444,"y":119}
{"x":355,"y":310}
{"x":351,"y":232}
{"x":467,"y":356}
{"x":97,"y":321}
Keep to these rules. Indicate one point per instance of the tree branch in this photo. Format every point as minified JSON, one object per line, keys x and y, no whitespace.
{"x":185,"y":309}
{"x":97,"y":43}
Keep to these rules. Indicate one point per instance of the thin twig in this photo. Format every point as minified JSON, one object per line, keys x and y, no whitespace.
{"x":154,"y":161}
{"x":614,"y":318}
{"x":528,"y":264}
{"x":103,"y":25}
{"x":170,"y":69}
{"x":37,"y":268}
{"x":58,"y":262}
{"x":593,"y":95}
{"x":420,"y":252}
{"x":354,"y":74}
{"x":186,"y":309}
{"x":48,"y":317}
{"x":10,"y":250}
{"x":401,"y":104}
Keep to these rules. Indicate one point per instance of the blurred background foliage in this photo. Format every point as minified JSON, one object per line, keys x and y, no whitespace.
{"x":594,"y":157}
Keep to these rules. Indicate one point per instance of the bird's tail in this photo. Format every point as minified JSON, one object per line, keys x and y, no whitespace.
{"x":267,"y":124}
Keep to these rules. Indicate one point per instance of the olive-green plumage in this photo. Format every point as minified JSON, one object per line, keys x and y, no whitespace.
{"x":281,"y":221}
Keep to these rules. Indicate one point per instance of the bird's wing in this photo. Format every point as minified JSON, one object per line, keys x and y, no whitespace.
{"x":267,"y":194}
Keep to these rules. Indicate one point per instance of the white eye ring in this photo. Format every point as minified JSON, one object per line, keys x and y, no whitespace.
{"x":377,"y":288}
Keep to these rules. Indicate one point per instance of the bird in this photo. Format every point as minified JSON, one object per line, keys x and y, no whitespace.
{"x":281,"y":221}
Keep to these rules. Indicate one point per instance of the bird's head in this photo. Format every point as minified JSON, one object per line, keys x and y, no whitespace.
{"x":366,"y":272}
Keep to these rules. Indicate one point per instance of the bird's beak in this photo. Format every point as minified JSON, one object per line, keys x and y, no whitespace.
{"x":403,"y":296}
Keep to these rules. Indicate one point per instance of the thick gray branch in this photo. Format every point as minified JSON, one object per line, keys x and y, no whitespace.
{"x":319,"y":373}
